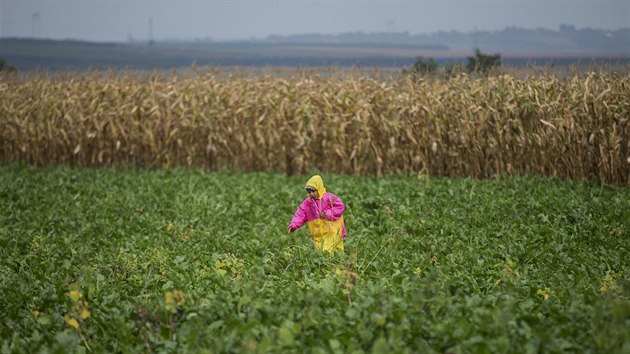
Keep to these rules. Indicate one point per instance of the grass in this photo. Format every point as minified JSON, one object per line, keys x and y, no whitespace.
{"x":125,"y":260}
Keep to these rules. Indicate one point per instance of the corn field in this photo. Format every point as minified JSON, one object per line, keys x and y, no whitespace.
{"x":574,"y":127}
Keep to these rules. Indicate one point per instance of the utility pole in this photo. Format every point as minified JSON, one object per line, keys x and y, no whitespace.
{"x":36,"y":25}
{"x":151,"y":41}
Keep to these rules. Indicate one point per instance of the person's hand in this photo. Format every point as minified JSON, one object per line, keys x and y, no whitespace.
{"x":322,"y":215}
{"x":291,"y":228}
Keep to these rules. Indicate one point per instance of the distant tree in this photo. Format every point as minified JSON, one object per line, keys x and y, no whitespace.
{"x":422,"y":67}
{"x":483,"y":62}
{"x":4,"y":67}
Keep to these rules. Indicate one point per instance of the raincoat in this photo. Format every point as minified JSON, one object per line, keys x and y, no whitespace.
{"x":328,"y":233}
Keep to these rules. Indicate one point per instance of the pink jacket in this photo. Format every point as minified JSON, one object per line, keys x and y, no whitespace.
{"x":309,"y":210}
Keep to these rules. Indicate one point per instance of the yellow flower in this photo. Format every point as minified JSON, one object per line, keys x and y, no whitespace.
{"x":219,"y":266}
{"x":229,"y":263}
{"x":417,"y":271}
{"x":544,"y":293}
{"x":71,"y":322}
{"x":179,"y":297}
{"x":173,"y":299}
{"x":169,"y":302}
{"x":75,"y":295}
{"x":82,"y":309}
{"x":85,"y":314}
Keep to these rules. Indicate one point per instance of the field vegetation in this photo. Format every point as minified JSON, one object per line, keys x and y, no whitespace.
{"x":147,"y":212}
{"x":128,"y":260}
{"x":465,"y":125}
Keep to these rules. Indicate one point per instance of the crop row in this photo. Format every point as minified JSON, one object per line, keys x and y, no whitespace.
{"x":479,"y":127}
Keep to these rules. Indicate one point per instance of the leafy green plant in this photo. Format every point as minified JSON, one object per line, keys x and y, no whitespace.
{"x":126,"y":260}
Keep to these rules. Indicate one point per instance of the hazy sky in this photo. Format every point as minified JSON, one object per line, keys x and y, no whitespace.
{"x":117,"y":20}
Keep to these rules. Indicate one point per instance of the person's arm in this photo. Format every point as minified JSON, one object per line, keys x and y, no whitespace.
{"x":337,"y":208}
{"x":299,"y":218}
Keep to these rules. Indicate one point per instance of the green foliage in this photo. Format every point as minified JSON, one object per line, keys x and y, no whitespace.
{"x":483,"y":62}
{"x":115,"y":260}
{"x":422,"y":67}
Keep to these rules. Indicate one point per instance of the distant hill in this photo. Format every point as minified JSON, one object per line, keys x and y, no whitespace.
{"x":512,"y":39}
{"x":517,"y":47}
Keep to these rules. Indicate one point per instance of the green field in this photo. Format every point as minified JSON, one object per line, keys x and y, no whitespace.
{"x":118,"y":260}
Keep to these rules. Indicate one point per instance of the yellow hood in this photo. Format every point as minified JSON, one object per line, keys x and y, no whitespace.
{"x":317,"y":183}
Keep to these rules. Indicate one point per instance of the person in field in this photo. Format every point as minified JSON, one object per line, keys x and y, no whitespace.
{"x":323,"y":211}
